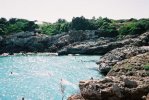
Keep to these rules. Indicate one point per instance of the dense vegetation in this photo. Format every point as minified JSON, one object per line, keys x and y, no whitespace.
{"x":55,"y":28}
{"x":104,"y":26}
{"x":14,"y":25}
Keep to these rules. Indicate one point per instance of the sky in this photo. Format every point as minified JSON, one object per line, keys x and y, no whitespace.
{"x":51,"y":10}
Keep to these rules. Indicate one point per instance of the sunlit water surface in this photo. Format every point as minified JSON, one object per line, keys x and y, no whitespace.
{"x":39,"y":77}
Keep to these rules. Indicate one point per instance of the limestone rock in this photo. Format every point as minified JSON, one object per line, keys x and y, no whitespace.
{"x":110,"y":59}
{"x":118,"y":85}
{"x":116,"y":90}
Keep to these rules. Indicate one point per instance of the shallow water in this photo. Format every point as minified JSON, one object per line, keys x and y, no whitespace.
{"x":39,"y":77}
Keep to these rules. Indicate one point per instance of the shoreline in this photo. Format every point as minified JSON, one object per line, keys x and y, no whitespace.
{"x":126,"y":77}
{"x":45,"y":53}
{"x":116,"y":63}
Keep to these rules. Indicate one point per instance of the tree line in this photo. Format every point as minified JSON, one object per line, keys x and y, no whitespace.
{"x":105,"y":26}
{"x":15,"y":25}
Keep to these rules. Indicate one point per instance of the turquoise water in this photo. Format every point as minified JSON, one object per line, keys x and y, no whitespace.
{"x":39,"y":77}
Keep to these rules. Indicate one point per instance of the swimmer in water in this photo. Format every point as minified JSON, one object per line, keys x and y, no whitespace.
{"x":49,"y":74}
{"x":91,"y":78}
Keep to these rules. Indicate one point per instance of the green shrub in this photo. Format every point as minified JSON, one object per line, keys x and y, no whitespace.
{"x":55,"y":28}
{"x":107,"y":30}
{"x":134,"y":27}
{"x":146,"y":67}
{"x":80,"y":23}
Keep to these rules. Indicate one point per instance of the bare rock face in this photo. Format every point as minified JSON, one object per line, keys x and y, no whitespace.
{"x":98,"y":47}
{"x":129,"y":47}
{"x":82,"y":42}
{"x":127,"y":80}
{"x":24,"y":41}
{"x":76,"y":97}
{"x":117,"y":89}
{"x":110,"y":59}
{"x":90,"y":46}
{"x":133,"y":66}
{"x":73,"y":42}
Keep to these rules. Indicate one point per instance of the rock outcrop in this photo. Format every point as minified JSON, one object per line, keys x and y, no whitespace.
{"x":73,"y":42}
{"x":131,"y":67}
{"x":27,"y":42}
{"x":76,"y":97}
{"x":115,"y":88}
{"x":127,"y":80}
{"x":34,"y":42}
{"x":126,"y":76}
{"x":90,"y":47}
{"x":111,"y":58}
{"x":135,"y":46}
{"x":104,"y":45}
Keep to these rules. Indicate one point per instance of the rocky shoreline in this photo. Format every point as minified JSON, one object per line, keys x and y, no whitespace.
{"x":123,"y":61}
{"x":127,"y":78}
{"x":119,"y":54}
{"x":73,"y":42}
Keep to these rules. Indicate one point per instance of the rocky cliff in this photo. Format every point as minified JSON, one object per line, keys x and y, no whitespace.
{"x":127,"y":73}
{"x":73,"y":42}
{"x":34,"y":42}
{"x":127,"y":80}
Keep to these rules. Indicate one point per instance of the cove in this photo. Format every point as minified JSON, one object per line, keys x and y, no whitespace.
{"x":39,"y":77}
